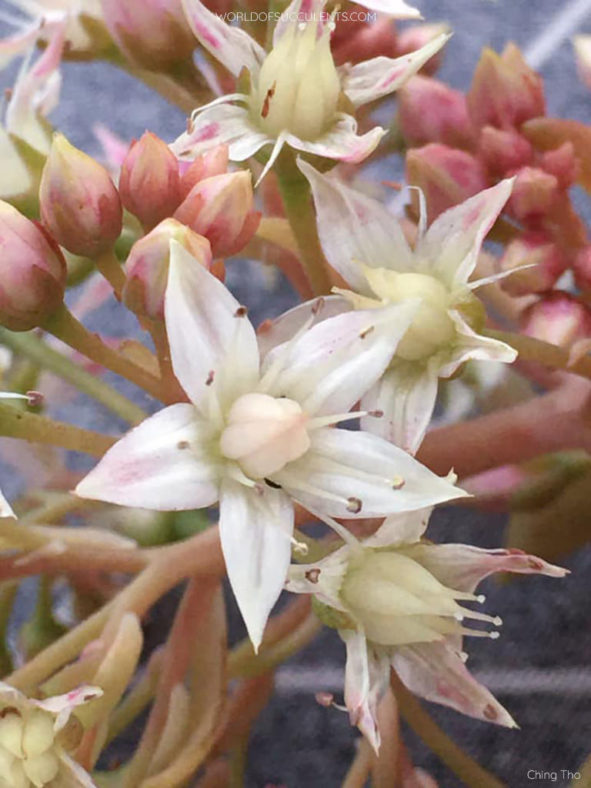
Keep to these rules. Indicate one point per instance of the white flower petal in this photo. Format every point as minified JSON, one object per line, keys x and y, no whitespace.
{"x":208,"y":332}
{"x":341,"y":141}
{"x":5,"y":507}
{"x":397,"y":9}
{"x":343,"y":468}
{"x":72,"y":775}
{"x":151,"y":467}
{"x":397,"y":529}
{"x":406,"y":395}
{"x":450,"y":247}
{"x":372,"y":79}
{"x":330,"y":367}
{"x":230,"y":45}
{"x":434,"y":671}
{"x":470,"y":345}
{"x":255,"y":531}
{"x":353,"y":228}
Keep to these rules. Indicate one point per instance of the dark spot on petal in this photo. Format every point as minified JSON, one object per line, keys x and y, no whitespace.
{"x":267,"y":101}
{"x":490,"y":712}
{"x":366,"y":332}
{"x":242,"y":311}
{"x":354,"y":505}
{"x":272,"y":484}
{"x":183,"y":445}
{"x":210,"y":377}
{"x":312,"y":575}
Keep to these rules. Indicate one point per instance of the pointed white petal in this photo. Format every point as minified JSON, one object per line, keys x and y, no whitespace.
{"x":434,"y":671}
{"x":404,"y":528}
{"x":62,"y":706}
{"x":330,"y":367}
{"x":152,"y":468}
{"x":354,"y":474}
{"x":208,"y":332}
{"x":230,"y":45}
{"x":72,"y":775}
{"x":450,"y":247}
{"x":470,"y":345}
{"x":372,"y":79}
{"x":255,"y":530}
{"x":354,"y":228}
{"x":397,"y":9}
{"x":341,"y":141}
{"x":406,"y":395}
{"x":5,"y":507}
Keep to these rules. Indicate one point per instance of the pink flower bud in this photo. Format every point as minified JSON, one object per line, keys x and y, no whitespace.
{"x":582,"y":269}
{"x":558,"y":318}
{"x":221,"y":209}
{"x":32,"y":272}
{"x":147,"y":266}
{"x":79,"y":202}
{"x":354,"y":40}
{"x":534,"y":193}
{"x":504,"y":151}
{"x":447,"y":176}
{"x":505,"y":91}
{"x":532,"y":249}
{"x":563,"y":164}
{"x":430,"y":111}
{"x":416,"y":36}
{"x":154,"y":34}
{"x":214,"y":162}
{"x":149,"y":183}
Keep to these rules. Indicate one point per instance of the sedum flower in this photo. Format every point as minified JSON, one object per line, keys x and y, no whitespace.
{"x":297,"y":96}
{"x":257,"y":437}
{"x":33,"y":736}
{"x":402,"y":603}
{"x":363,"y":242}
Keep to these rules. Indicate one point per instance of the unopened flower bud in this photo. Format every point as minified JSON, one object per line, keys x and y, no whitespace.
{"x":505,"y":91}
{"x":559,"y":318}
{"x":355,"y":40}
{"x":534,"y":194}
{"x":430,"y":111}
{"x":416,"y":36}
{"x":148,"y":262}
{"x":221,"y":209}
{"x":32,"y":272}
{"x":213,"y":162}
{"x":154,"y":34}
{"x":446,"y":175}
{"x":149,"y":183}
{"x":562,"y":163}
{"x":504,"y":150}
{"x":537,"y":250}
{"x":79,"y":202}
{"x":582,"y":269}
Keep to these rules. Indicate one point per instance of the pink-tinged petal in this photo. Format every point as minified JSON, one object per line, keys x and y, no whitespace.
{"x":62,"y":706}
{"x":397,"y":529}
{"x":341,"y":141}
{"x":331,"y":366}
{"x":463,"y":566}
{"x":406,"y":395}
{"x":273,"y":333}
{"x":372,"y":79}
{"x":354,"y":474}
{"x":213,"y":345}
{"x":17,"y":45}
{"x":255,"y":531}
{"x":354,"y":229}
{"x":72,"y":775}
{"x":229,"y":45}
{"x":5,"y":507}
{"x":367,"y":676}
{"x":159,"y":465}
{"x":450,"y":247}
{"x":397,"y":9}
{"x":470,"y":345}
{"x":221,"y":124}
{"x":434,"y":671}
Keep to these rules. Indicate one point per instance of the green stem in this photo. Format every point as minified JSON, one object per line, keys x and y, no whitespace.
{"x":541,"y":352}
{"x":40,"y":429}
{"x":66,"y":327}
{"x":299,"y":210}
{"x":33,"y":348}
{"x":110,"y":267}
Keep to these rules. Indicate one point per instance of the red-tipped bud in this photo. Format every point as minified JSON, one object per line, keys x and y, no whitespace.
{"x":149,"y":183}
{"x":447,"y":176}
{"x":154,"y":34}
{"x":563,"y":164}
{"x":416,"y":36}
{"x":221,"y":209}
{"x":32,"y":272}
{"x":558,"y":318}
{"x":430,"y":111}
{"x":79,"y":202}
{"x":505,"y":91}
{"x":147,"y":266}
{"x":537,"y":250}
{"x":582,"y":269}
{"x":534,"y":194}
{"x":504,"y":150}
{"x":214,"y":162}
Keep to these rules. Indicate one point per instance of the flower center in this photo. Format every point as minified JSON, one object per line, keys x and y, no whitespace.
{"x":432,"y":328}
{"x":27,"y":756}
{"x":298,"y":86}
{"x":264,"y":433}
{"x":399,"y":602}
